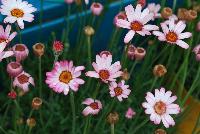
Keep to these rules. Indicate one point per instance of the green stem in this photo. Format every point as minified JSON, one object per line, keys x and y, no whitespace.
{"x":87,"y":125}
{"x":97,"y":90}
{"x":73,"y":112}
{"x":89,"y":51}
{"x":133,"y":67}
{"x":112,"y":128}
{"x":153,"y":84}
{"x":174,"y":5}
{"x":139,"y":126}
{"x":194,"y":85}
{"x":19,"y":33}
{"x":40,"y":75}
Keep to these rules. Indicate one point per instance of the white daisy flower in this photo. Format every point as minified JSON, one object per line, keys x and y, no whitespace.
{"x":137,"y":22}
{"x":17,"y":11}
{"x":172,"y":33}
{"x":160,"y":106}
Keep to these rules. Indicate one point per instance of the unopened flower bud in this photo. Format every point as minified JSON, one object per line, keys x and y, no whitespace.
{"x":125,"y":75}
{"x":38,"y":49}
{"x":182,"y":13}
{"x":113,"y":118}
{"x":14,"y":69}
{"x":89,"y":31}
{"x":96,"y":8}
{"x":131,"y":51}
{"x":166,"y":12}
{"x":159,"y":70}
{"x":20,"y":51}
{"x":58,"y":47}
{"x":36,"y":103}
{"x":140,"y":53}
{"x":12,"y":95}
{"x":192,"y":14}
{"x":31,"y":122}
{"x":160,"y":131}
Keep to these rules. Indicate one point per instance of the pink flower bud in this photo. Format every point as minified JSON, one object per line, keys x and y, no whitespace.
{"x":96,"y":8}
{"x":131,"y":52}
{"x":12,"y":95}
{"x":14,"y":69}
{"x":20,"y":52}
{"x":140,"y":53}
{"x":58,"y":46}
{"x":130,"y":113}
{"x":105,"y":52}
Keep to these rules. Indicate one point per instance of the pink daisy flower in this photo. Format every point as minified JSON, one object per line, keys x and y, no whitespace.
{"x":137,"y":22}
{"x":104,"y":69}
{"x":161,"y":106}
{"x":172,"y":33}
{"x":5,"y":35}
{"x":119,"y":90}
{"x":154,"y":8}
{"x":65,"y":76}
{"x":130,"y":113}
{"x":20,"y":51}
{"x":93,"y":106}
{"x":17,"y":11}
{"x":23,"y":80}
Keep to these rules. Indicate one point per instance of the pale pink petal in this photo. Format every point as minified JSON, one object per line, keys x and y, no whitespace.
{"x":129,"y":36}
{"x":87,"y":111}
{"x":129,"y":12}
{"x":164,"y":27}
{"x":88,"y":101}
{"x":123,"y":23}
{"x":184,"y":35}
{"x":92,"y":74}
{"x":151,"y":27}
{"x":182,"y":44}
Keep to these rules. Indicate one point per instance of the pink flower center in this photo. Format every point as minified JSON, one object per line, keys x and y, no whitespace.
{"x":23,"y":79}
{"x":17,"y":13}
{"x":160,"y":107}
{"x":19,"y":48}
{"x":171,"y":36}
{"x":104,"y":74}
{"x":118,"y":91}
{"x":15,"y":65}
{"x":65,"y":77}
{"x":136,"y":26}
{"x":94,"y":105}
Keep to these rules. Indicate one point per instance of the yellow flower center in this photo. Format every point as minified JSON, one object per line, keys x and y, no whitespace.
{"x":171,"y":36}
{"x":23,"y":79}
{"x":104,"y":74}
{"x":94,"y":105}
{"x":65,"y":77}
{"x":2,"y":40}
{"x":136,"y":26}
{"x":118,"y":91}
{"x":160,"y":107}
{"x":17,"y":13}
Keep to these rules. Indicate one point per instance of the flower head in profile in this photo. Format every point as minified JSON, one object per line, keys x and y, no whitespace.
{"x":120,"y":15}
{"x":160,"y":106}
{"x":23,"y":81}
{"x":137,"y":22}
{"x":119,"y":90}
{"x":17,"y":11}
{"x":130,"y":113}
{"x":93,"y":107}
{"x":96,"y":8}
{"x":20,"y":51}
{"x":172,"y":33}
{"x":154,"y":8}
{"x":65,"y":76}
{"x":4,"y":54}
{"x":104,"y":69}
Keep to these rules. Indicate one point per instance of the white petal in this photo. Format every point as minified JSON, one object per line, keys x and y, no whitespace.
{"x":182,"y":44}
{"x":129,"y":36}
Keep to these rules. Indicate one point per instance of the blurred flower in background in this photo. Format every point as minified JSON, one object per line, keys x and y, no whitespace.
{"x":93,"y":106}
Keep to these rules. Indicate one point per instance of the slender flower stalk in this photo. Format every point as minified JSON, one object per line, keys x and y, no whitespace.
{"x":73,"y":112}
